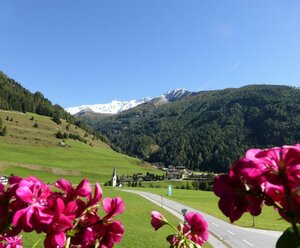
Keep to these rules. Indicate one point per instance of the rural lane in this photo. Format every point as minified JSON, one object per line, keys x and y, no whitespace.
{"x":222,"y":233}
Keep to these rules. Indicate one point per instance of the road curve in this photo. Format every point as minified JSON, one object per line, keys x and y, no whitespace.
{"x":227,"y":235}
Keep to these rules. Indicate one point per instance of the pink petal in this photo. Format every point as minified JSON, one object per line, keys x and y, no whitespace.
{"x":251,"y":154}
{"x":64,"y":185}
{"x":113,"y":206}
{"x":64,"y":222}
{"x":71,"y":208}
{"x":2,"y":188}
{"x":117,"y":230}
{"x":222,"y":185}
{"x":14,"y":179}
{"x":60,"y":238}
{"x":28,"y":217}
{"x":157,"y":220}
{"x":25,"y":194}
{"x":18,"y":215}
{"x":60,"y":206}
{"x":97,"y":195}
{"x":84,"y":188}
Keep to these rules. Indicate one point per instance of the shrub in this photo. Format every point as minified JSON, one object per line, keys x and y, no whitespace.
{"x":59,"y":135}
{"x":3,"y":132}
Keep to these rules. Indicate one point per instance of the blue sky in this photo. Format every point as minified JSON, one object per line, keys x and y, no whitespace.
{"x":88,"y":52}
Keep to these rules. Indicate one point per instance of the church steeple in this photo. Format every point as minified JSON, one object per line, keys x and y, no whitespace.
{"x":113,"y":182}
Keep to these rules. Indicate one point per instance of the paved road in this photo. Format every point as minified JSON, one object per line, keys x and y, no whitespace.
{"x":223,"y":234}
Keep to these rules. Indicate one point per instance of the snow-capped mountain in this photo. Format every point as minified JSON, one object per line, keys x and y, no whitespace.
{"x":176,"y":94}
{"x":116,"y":107}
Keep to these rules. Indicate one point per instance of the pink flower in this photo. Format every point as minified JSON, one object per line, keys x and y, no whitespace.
{"x":173,"y":239}
{"x":196,"y":228}
{"x":291,"y":206}
{"x":4,"y":201}
{"x":67,"y":187}
{"x":249,"y":172}
{"x":83,"y":189}
{"x":33,"y":193}
{"x":88,"y":230}
{"x":235,"y":199}
{"x":29,"y":205}
{"x":85,"y":238}
{"x":112,"y":207}
{"x":62,"y":222}
{"x":11,"y":242}
{"x":157,"y":220}
{"x":64,"y":215}
{"x":113,"y":234}
{"x":281,"y":169}
{"x":279,"y":161}
{"x":270,"y":175}
{"x":56,"y":239}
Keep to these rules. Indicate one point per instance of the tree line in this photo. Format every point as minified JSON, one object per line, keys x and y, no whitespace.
{"x":15,"y":97}
{"x":207,"y":131}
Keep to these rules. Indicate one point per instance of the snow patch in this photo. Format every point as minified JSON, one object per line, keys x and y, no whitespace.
{"x":114,"y":107}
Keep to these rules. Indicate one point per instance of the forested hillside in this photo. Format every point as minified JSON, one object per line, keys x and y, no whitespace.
{"x":208,"y":130}
{"x":14,"y":97}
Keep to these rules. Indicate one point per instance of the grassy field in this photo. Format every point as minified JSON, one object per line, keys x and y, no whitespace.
{"x":207,"y":202}
{"x":26,"y":150}
{"x":165,"y":184}
{"x":136,"y":220}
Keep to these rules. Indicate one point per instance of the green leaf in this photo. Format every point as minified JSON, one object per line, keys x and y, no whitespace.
{"x":288,"y":239}
{"x":36,"y":243}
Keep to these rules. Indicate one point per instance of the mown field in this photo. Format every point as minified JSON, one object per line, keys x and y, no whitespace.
{"x":26,"y":150}
{"x":165,"y":184}
{"x":207,"y":202}
{"x":136,"y":221}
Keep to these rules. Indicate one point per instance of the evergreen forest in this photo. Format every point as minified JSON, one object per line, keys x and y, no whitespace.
{"x":208,"y":130}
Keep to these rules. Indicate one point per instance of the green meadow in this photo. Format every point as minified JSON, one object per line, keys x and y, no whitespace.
{"x":27,"y":150}
{"x":73,"y":163}
{"x":136,"y":221}
{"x":165,"y":184}
{"x":207,"y":202}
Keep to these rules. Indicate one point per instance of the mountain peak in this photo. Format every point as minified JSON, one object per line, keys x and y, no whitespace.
{"x":176,"y":94}
{"x":115,"y":106}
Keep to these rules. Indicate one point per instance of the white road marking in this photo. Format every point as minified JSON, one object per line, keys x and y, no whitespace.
{"x":230,"y":232}
{"x":220,"y":237}
{"x":248,"y":243}
{"x":215,"y":224}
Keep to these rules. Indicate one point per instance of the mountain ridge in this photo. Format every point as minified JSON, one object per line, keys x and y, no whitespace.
{"x":116,"y":107}
{"x":207,"y":130}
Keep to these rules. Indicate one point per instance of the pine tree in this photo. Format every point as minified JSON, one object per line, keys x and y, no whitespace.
{"x":56,"y":119}
{"x":3,"y":131}
{"x":59,"y":135}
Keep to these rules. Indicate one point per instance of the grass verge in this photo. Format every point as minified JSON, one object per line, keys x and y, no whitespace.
{"x":136,"y":220}
{"x":207,"y":202}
